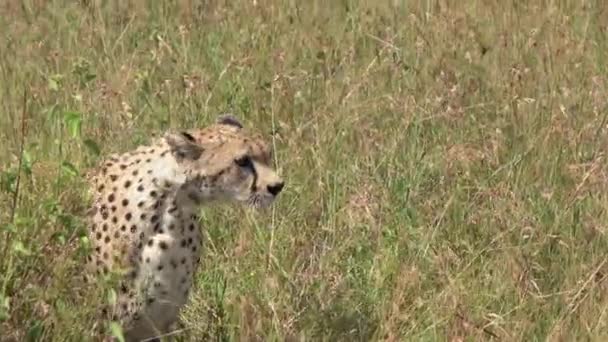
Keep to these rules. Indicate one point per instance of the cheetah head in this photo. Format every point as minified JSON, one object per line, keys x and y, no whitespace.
{"x":226,"y":162}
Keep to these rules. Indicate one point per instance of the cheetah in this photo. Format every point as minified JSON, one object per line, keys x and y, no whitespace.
{"x":143,"y":222}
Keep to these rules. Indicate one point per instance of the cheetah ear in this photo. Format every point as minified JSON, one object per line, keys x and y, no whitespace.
{"x":229,"y":119}
{"x":183,"y":145}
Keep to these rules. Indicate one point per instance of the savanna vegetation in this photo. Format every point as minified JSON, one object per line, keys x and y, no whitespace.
{"x":445,"y":163}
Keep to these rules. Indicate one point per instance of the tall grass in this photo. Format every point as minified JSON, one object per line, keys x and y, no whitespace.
{"x":445,"y":162}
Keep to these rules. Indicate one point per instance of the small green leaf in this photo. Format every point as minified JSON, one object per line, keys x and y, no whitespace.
{"x":20,"y":248}
{"x":116,"y":331}
{"x":74,"y":122}
{"x":88,"y":77}
{"x":53,"y":85}
{"x":85,"y":244}
{"x":92,"y":146}
{"x":54,"y":82}
{"x":69,"y":169}
{"x":60,"y":239}
{"x":112,"y":298}
{"x":8,"y":181}
{"x":5,"y":306}
{"x":27,"y":163}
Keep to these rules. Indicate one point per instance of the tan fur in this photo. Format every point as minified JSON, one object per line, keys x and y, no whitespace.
{"x":144,"y":217}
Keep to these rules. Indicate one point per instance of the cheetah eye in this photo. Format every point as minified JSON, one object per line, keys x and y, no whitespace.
{"x":244,"y":162}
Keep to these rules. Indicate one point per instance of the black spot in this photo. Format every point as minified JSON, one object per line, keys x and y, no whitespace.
{"x":128,"y":216}
{"x":113,"y":178}
{"x":151,"y":242}
{"x":183,"y":243}
{"x":105,"y":255}
{"x":104,"y":227}
{"x":173,"y":263}
{"x":114,"y":219}
{"x":123,"y":228}
{"x":140,"y":188}
{"x":135,"y":172}
{"x":188,"y":136}
{"x":116,"y":234}
{"x":191,"y":227}
{"x":142,"y":216}
{"x":156,"y":284}
{"x":123,"y":166}
{"x":111,"y":198}
{"x":153,"y":193}
{"x":101,"y":187}
{"x":163,"y":245}
{"x":127,"y":184}
{"x":172,"y":209}
{"x":183,"y":261}
{"x":189,"y":241}
{"x":154,"y":218}
{"x":98,"y":236}
{"x":141,"y":204}
{"x":148,"y":160}
{"x":107,"y":239}
{"x":113,"y":208}
{"x":133,"y":228}
{"x":125,"y":202}
{"x":104,"y":215}
{"x":171,"y":226}
{"x":147,"y":260}
{"x":159,"y":267}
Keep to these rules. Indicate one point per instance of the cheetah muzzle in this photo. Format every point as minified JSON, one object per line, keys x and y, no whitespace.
{"x":144,"y":217}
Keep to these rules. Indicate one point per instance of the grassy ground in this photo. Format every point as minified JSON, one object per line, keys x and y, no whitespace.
{"x":445,"y":164}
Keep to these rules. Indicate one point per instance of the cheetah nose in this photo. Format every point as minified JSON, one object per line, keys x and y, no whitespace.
{"x":276,"y":188}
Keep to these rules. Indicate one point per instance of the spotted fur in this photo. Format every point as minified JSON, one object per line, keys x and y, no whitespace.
{"x":144,"y":218}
